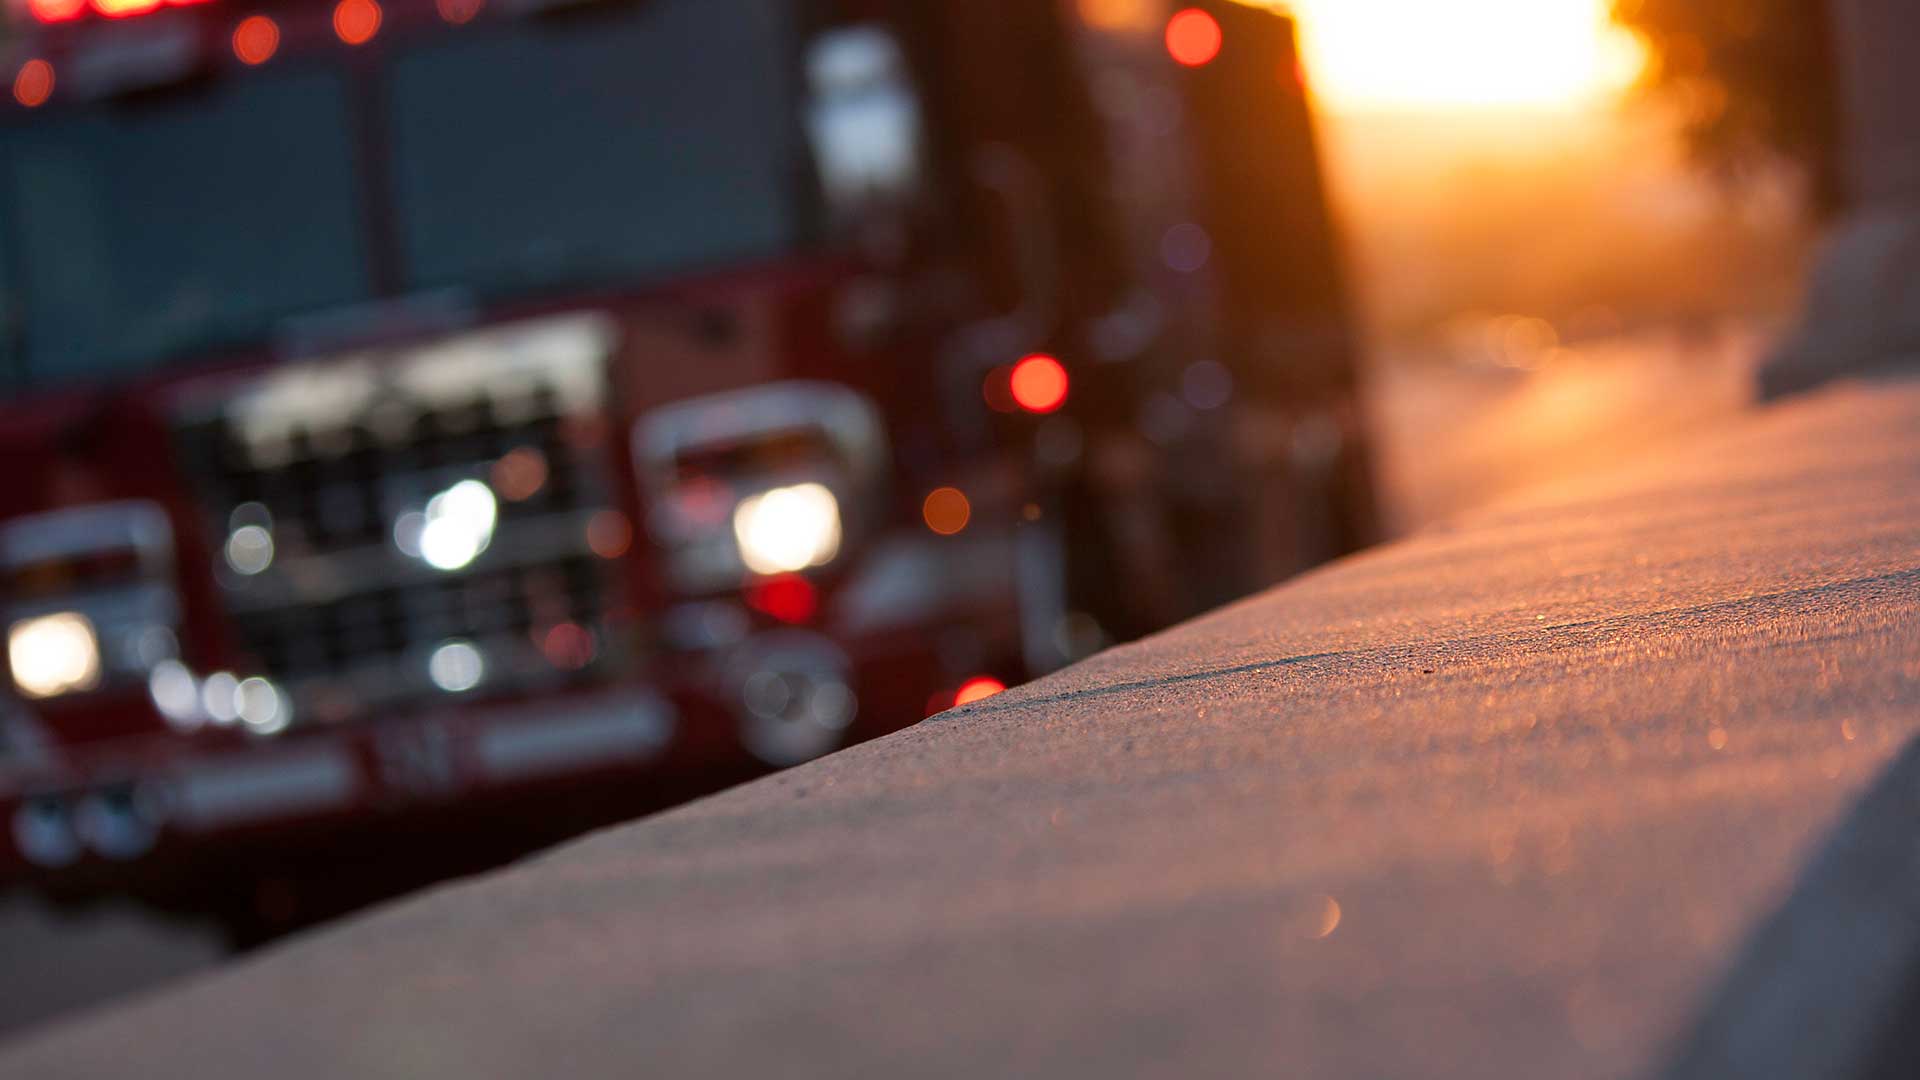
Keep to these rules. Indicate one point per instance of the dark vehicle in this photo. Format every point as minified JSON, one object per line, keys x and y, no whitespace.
{"x":434,"y":427}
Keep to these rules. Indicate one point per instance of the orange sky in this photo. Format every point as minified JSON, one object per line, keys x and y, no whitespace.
{"x":1464,"y":55}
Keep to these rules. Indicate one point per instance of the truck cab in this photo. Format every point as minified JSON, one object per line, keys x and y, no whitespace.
{"x":438,"y":426}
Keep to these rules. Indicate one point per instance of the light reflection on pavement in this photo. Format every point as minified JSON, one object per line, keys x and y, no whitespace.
{"x":1453,"y":437}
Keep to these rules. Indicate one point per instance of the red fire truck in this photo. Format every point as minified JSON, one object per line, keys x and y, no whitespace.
{"x":433,"y":427}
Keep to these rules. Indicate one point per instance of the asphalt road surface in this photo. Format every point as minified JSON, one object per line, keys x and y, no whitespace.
{"x":55,"y":962}
{"x":1502,"y":800}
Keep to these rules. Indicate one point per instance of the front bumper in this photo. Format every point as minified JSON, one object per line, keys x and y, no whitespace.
{"x":125,"y":803}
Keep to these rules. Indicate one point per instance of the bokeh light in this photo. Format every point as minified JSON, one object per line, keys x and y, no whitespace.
{"x":256,"y":39}
{"x":120,"y":9}
{"x":33,"y":83}
{"x":1193,"y":37}
{"x":787,"y":597}
{"x":609,"y":534}
{"x":569,"y":646}
{"x":946,"y":510}
{"x":787,"y":528}
{"x":356,"y":21}
{"x":54,"y":654}
{"x":519,"y":474}
{"x":976,"y":688}
{"x":456,"y":666}
{"x":56,"y":10}
{"x":1466,"y":54}
{"x":1039,"y":383}
{"x":458,"y":12}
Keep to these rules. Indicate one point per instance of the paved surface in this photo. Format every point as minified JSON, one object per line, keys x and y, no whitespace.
{"x":56,"y":961}
{"x":1501,"y":800}
{"x":1452,"y":436}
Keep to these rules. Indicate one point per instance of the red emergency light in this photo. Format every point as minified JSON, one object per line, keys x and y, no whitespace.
{"x":978,"y":688}
{"x":1039,"y":383}
{"x":256,"y":39}
{"x":787,"y":597}
{"x":33,"y":83}
{"x":1193,"y":37}
{"x":52,"y":11}
{"x":356,"y":21}
{"x":59,"y":11}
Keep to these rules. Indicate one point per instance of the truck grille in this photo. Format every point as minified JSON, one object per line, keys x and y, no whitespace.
{"x":319,"y":483}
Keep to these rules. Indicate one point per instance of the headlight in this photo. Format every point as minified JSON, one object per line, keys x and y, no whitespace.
{"x":54,"y":654}
{"x":787,"y":528}
{"x":456,"y":528}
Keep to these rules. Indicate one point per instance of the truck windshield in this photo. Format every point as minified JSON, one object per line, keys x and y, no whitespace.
{"x":147,"y":228}
{"x":610,"y":144}
{"x":605,"y":146}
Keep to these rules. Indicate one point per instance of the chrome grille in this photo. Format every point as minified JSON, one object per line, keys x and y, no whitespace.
{"x":334,"y":465}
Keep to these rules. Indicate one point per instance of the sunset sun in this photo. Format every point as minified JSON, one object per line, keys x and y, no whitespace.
{"x":1464,"y":54}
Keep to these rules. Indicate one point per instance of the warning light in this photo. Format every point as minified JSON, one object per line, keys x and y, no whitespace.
{"x":946,"y":510}
{"x":1193,"y":37}
{"x":51,"y":11}
{"x":1039,"y":383}
{"x":980,"y":686}
{"x":787,"y":597}
{"x":120,"y":9}
{"x":256,"y":39}
{"x":33,"y":84}
{"x":356,"y":21}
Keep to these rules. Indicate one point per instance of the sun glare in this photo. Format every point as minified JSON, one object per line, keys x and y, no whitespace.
{"x":1464,"y":54}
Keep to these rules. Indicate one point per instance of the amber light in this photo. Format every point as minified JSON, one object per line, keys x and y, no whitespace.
{"x":946,"y":510}
{"x":120,"y":9}
{"x":256,"y":39}
{"x":1193,"y":37}
{"x":48,"y":11}
{"x":356,"y":21}
{"x":1039,"y":383}
{"x":33,"y":84}
{"x":519,"y":474}
{"x":980,"y":686}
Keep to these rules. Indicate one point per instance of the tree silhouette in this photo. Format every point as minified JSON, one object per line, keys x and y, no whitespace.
{"x":1754,"y":82}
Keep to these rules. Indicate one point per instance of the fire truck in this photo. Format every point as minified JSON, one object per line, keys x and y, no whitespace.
{"x":435,"y":427}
